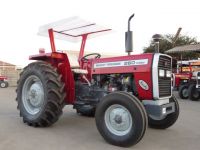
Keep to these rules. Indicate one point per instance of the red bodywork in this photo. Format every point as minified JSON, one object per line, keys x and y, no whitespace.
{"x":143,"y":72}
{"x":2,"y":78}
{"x":181,"y":76}
{"x":61,"y":62}
{"x":178,"y":77}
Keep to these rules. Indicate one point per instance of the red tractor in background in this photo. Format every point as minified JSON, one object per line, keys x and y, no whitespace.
{"x":182,"y":73}
{"x":181,"y":78}
{"x":185,"y":79}
{"x":3,"y":81}
{"x":125,"y":94}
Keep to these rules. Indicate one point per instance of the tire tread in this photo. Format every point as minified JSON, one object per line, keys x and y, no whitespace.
{"x":55,"y":88}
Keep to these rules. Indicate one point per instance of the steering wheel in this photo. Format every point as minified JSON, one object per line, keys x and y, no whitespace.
{"x":84,"y":58}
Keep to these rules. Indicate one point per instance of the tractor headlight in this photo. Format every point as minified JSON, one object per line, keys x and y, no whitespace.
{"x":161,"y":73}
{"x":168,"y":74}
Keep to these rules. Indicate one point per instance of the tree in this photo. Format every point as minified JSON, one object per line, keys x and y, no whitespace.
{"x":165,"y":45}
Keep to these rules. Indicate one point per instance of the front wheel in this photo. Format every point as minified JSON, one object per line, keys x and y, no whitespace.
{"x":121,"y":119}
{"x":194,"y":94}
{"x":165,"y":121}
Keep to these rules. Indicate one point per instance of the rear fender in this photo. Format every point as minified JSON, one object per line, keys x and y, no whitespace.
{"x":61,"y":62}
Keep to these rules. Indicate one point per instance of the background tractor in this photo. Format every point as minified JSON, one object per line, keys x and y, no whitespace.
{"x":182,"y":78}
{"x":125,"y":93}
{"x":3,"y":81}
{"x":186,"y":78}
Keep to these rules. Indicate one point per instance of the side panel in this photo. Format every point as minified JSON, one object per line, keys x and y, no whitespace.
{"x":124,"y":64}
{"x":147,"y":78}
{"x":139,"y":65}
{"x":61,"y":62}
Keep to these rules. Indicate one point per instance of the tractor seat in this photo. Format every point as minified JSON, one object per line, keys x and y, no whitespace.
{"x":80,"y":71}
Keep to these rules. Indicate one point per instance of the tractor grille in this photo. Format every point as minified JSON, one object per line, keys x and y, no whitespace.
{"x":164,"y":83}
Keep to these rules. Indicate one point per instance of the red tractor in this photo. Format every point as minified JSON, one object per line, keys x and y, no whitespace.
{"x":185,"y":79}
{"x":3,"y":82}
{"x":182,"y":77}
{"x":125,"y":94}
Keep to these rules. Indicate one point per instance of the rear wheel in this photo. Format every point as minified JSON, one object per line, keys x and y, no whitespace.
{"x":193,"y":93}
{"x":183,"y":92}
{"x":121,"y":119}
{"x":40,"y":94}
{"x":165,"y":121}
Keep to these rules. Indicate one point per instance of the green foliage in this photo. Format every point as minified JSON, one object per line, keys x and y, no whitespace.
{"x":166,"y":45}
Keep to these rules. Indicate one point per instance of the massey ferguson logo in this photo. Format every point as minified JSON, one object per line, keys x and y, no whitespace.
{"x":143,"y":85}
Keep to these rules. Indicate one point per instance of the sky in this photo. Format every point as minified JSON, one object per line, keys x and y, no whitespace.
{"x":20,"y":20}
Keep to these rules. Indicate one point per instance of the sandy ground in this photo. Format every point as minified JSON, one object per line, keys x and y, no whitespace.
{"x":79,"y":133}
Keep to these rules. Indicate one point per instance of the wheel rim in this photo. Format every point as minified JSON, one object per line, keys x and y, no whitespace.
{"x":118,"y":120}
{"x":185,"y":92}
{"x":33,"y":95}
{"x":3,"y":85}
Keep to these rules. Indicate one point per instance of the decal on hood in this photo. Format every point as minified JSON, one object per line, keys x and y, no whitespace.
{"x":143,"y":85}
{"x":121,"y":63}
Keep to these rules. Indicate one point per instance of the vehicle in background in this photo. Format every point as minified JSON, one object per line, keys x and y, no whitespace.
{"x":186,"y":77}
{"x":182,"y":74}
{"x":3,"y":81}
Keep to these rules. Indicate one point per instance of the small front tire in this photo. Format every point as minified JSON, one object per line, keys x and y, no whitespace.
{"x":121,"y":119}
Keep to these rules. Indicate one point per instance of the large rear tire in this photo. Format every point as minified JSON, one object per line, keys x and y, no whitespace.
{"x":193,"y":93}
{"x":121,"y":119}
{"x":167,"y":121}
{"x":183,"y":92}
{"x":40,"y":94}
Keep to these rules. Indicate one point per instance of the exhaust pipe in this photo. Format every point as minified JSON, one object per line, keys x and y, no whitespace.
{"x":129,"y":37}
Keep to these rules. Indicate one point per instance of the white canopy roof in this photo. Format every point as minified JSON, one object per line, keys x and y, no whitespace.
{"x":72,"y":29}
